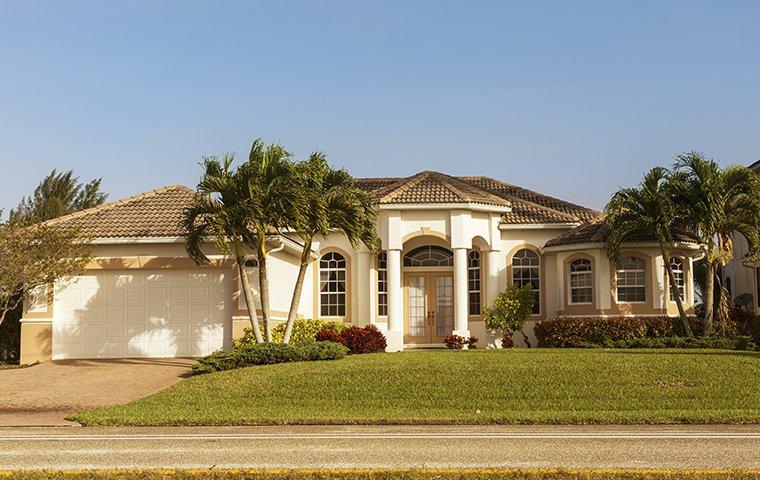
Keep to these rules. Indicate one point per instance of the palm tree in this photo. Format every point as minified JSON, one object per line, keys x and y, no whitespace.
{"x":276,"y":199}
{"x":636,"y":213}
{"x":333,"y":203}
{"x":220,"y":212}
{"x":717,"y":203}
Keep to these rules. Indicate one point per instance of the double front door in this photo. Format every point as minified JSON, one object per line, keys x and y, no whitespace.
{"x":429,"y":307}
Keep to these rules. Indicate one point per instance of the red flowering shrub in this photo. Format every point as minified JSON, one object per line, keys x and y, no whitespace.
{"x":358,"y":339}
{"x":330,"y":335}
{"x":587,"y":331}
{"x":506,"y":340}
{"x":454,"y":342}
{"x":472,"y":342}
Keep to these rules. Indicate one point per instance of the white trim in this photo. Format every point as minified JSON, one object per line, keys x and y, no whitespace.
{"x":593,"y":246}
{"x":42,"y":320}
{"x":129,"y":240}
{"x":474,"y":206}
{"x":537,"y":226}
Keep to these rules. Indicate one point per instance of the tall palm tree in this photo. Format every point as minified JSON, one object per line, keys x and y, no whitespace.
{"x":717,"y":203}
{"x":275,"y":199}
{"x":220,"y":211}
{"x":636,"y":213}
{"x":333,"y":203}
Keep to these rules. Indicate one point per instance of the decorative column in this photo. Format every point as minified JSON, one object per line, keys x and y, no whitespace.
{"x":461,"y":326}
{"x":395,"y":334}
{"x":364,"y":289}
{"x":492,"y":276}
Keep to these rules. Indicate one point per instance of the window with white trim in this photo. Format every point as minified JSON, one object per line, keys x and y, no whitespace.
{"x":382,"y":284}
{"x":581,"y":281}
{"x":429,"y":256}
{"x":473,"y":282}
{"x":332,"y":285}
{"x":676,"y":264}
{"x":630,"y":279}
{"x":526,"y":270}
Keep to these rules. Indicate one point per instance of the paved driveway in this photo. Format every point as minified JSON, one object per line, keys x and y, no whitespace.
{"x":46,"y":393}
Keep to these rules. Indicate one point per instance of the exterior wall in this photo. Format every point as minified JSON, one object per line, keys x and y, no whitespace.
{"x":742,"y":275}
{"x":36,"y":341}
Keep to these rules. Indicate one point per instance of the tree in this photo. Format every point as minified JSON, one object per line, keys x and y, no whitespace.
{"x":510,"y":310}
{"x":332,"y":203}
{"x":58,"y":194}
{"x":237,"y":209}
{"x":34,"y":256}
{"x":716,"y":204}
{"x":649,"y":210}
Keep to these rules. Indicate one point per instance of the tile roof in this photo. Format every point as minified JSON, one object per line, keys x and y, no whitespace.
{"x":528,"y":207}
{"x":595,"y":232}
{"x":157,"y":213}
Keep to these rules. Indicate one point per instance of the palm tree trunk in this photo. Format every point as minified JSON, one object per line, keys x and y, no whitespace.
{"x":264,"y":290}
{"x":248,"y":296}
{"x":297,"y":291}
{"x":676,"y":293}
{"x":709,"y":292}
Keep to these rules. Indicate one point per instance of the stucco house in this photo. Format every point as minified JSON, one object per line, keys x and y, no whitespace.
{"x":742,"y":276}
{"x":448,"y":245}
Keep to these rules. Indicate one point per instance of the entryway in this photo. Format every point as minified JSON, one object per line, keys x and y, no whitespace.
{"x":429,"y":307}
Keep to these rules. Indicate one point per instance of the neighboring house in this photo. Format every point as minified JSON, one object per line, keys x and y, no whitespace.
{"x":448,"y":246}
{"x":741,"y":276}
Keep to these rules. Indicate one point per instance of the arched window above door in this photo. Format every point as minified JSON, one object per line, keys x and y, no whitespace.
{"x":429,"y":256}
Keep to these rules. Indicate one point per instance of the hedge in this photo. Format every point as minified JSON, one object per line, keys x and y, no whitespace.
{"x":581,"y":331}
{"x":304,"y":329}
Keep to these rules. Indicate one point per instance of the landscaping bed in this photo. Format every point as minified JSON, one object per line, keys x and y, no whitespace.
{"x":421,"y":474}
{"x":465,"y":387}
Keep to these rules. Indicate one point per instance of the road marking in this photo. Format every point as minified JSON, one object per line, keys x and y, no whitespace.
{"x":382,"y":436}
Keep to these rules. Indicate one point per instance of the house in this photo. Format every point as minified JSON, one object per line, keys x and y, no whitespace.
{"x":448,"y":245}
{"x":741,"y":276}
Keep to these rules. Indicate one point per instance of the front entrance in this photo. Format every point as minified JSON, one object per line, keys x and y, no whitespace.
{"x":429,"y":307}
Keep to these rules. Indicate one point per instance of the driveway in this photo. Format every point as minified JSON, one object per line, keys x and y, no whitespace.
{"x":46,"y":393}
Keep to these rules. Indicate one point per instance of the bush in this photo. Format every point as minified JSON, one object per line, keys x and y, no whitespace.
{"x":304,"y":329}
{"x":506,"y":340}
{"x":584,"y":331}
{"x":737,"y":343}
{"x":472,"y":342}
{"x":268,"y":354}
{"x":754,"y":329}
{"x":454,"y":342}
{"x":328,"y":335}
{"x":364,"y":339}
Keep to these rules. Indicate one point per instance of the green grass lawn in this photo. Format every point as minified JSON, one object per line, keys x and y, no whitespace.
{"x":467,"y":387}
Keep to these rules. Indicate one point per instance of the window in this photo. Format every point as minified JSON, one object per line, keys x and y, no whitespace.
{"x":631,"y":280}
{"x":581,"y":281}
{"x":429,"y":256}
{"x":382,"y":284}
{"x":473,"y":282}
{"x":332,"y":285}
{"x":526,"y":270}
{"x":676,"y":264}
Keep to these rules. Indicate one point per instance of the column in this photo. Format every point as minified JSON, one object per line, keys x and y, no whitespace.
{"x":461,"y":326}
{"x":492,"y":276}
{"x":364,"y":289}
{"x":395,"y":333}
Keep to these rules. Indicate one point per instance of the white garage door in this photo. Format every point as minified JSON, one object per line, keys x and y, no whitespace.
{"x":142,"y":313}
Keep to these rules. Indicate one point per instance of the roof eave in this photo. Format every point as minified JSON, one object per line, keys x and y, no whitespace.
{"x":598,"y":245}
{"x":474,"y":206}
{"x":539,"y":226}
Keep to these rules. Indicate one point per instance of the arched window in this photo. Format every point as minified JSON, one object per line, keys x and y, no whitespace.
{"x":581,"y":281}
{"x":631,"y":280}
{"x":332,"y":285}
{"x":473,"y":282}
{"x":526,"y":270}
{"x":429,"y":256}
{"x":676,"y":264}
{"x":382,"y":284}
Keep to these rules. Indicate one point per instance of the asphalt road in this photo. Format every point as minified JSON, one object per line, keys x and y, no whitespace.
{"x":660,"y":447}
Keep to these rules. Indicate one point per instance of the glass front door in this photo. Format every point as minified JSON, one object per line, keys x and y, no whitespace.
{"x":429,"y":307}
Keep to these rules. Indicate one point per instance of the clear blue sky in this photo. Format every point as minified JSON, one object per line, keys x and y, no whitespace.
{"x":574,"y":99}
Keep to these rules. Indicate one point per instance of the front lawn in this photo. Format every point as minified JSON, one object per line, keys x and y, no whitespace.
{"x":467,"y":387}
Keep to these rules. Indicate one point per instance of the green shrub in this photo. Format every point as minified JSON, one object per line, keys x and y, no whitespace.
{"x":304,"y":329}
{"x":737,"y":343}
{"x":268,"y":354}
{"x":600,"y":331}
{"x":754,"y":329}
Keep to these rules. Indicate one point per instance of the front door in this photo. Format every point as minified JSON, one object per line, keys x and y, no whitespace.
{"x":429,"y":307}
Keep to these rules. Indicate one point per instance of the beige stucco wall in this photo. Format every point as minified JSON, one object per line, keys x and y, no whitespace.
{"x":36,"y":341}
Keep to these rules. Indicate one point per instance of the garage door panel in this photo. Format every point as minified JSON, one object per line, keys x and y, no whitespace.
{"x":142,"y":314}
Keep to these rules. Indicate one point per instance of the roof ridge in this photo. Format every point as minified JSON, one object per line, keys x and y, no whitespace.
{"x":451,"y":182}
{"x":403,"y":185}
{"x":116,"y":203}
{"x":528,"y":190}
